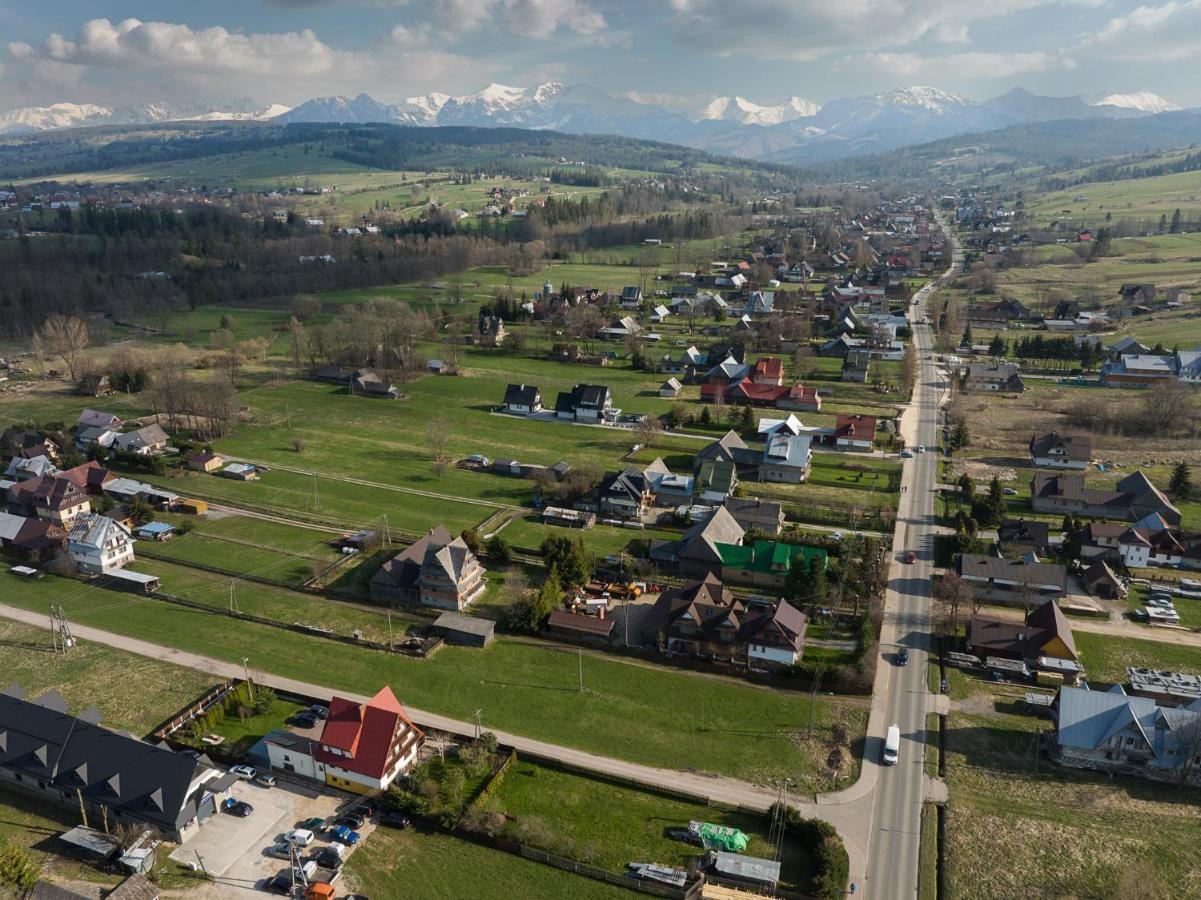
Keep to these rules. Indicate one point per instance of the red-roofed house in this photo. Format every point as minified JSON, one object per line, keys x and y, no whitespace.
{"x":769,"y":370}
{"x":747,"y":391}
{"x":802,"y":399}
{"x":855,"y":433}
{"x":365,"y":746}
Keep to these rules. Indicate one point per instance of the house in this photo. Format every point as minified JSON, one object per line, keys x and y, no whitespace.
{"x":1012,"y":580}
{"x":90,"y":476}
{"x":1027,"y":536}
{"x":768,"y":370}
{"x":801,"y":398}
{"x":467,"y":631}
{"x":35,"y":538}
{"x":1110,"y":731}
{"x":93,"y":418}
{"x":52,"y":498}
{"x":729,"y":447}
{"x":696,"y":554}
{"x":586,"y":403}
{"x":789,"y":425}
{"x":855,"y":432}
{"x":855,"y":366}
{"x":205,"y":462}
{"x":143,"y":441}
{"x":1188,"y":366}
{"x":715,"y":480}
{"x":73,"y":762}
{"x":996,"y":376}
{"x":660,"y":314}
{"x":1131,"y":499}
{"x":364,"y":747}
{"x":28,"y":444}
{"x":1055,"y":451}
{"x":240,"y":472}
{"x":1137,"y":294}
{"x":631,"y":297}
{"x":580,"y":626}
{"x":625,"y":495}
{"x":1127,"y":346}
{"x":89,"y":436}
{"x":438,"y":570}
{"x":98,"y":544}
{"x":624,"y":327}
{"x":704,"y":619}
{"x":94,"y":385}
{"x":786,"y":458}
{"x":1046,"y":632}
{"x":523,"y":399}
{"x":686,"y":365}
{"x":745,"y":392}
{"x":670,"y":388}
{"x":367,"y":383}
{"x":668,"y":487}
{"x":30,"y":469}
{"x":490,"y":331}
{"x":1139,"y":370}
{"x":753,"y":514}
{"x":1000,"y":311}
{"x":1100,"y":581}
{"x":765,"y":563}
{"x":729,"y":371}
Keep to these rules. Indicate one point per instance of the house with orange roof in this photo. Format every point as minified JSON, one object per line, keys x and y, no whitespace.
{"x":364,"y":747}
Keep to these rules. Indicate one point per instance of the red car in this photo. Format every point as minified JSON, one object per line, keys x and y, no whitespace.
{"x":910,"y":557}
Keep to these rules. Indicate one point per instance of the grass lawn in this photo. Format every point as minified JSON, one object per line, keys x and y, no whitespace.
{"x":31,"y":823}
{"x":132,"y":692}
{"x":1106,"y":658}
{"x":928,"y":863}
{"x":609,"y":825}
{"x":528,"y":533}
{"x":274,"y":564}
{"x":650,"y":715}
{"x":242,"y":734}
{"x":425,"y":865}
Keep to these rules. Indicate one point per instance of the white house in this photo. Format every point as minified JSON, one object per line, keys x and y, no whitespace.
{"x":98,"y":544}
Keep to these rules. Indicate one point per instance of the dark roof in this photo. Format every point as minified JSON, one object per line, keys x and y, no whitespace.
{"x":631,"y":483}
{"x":403,"y":569}
{"x":522,"y":395}
{"x":135,"y":887}
{"x":987,"y":636}
{"x":127,"y":775}
{"x":978,"y":565}
{"x":591,"y":626}
{"x":753,"y":511}
{"x":1075,"y":447}
{"x":1021,"y":531}
{"x":708,"y":602}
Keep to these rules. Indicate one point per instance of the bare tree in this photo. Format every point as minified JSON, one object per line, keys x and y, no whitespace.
{"x":953,"y":592}
{"x":437,"y":439}
{"x":646,"y":431}
{"x":65,"y":337}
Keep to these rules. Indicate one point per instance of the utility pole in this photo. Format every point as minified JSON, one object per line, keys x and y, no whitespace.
{"x":581,"y":651}
{"x":389,"y":628}
{"x":246,"y":672}
{"x":478,"y":712}
{"x":387,"y":532}
{"x":316,"y":494}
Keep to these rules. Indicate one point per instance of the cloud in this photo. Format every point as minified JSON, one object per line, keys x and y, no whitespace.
{"x":813,"y":29}
{"x":133,"y":43}
{"x":1169,"y":32}
{"x":523,"y":18}
{"x":410,"y":36}
{"x":971,"y":66}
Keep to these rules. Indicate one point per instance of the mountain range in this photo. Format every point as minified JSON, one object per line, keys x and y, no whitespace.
{"x":797,"y":130}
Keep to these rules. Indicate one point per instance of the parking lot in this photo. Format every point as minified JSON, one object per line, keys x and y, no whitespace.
{"x":233,"y":849}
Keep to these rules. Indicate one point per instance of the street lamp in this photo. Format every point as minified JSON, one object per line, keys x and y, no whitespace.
{"x":246,"y":673}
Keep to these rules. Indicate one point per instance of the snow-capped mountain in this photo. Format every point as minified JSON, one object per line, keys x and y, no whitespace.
{"x":59,"y":115}
{"x":75,"y":115}
{"x":1142,"y":101}
{"x":745,"y":112}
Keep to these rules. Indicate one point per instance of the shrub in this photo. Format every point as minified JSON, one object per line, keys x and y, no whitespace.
{"x":831,"y":864}
{"x":19,"y":868}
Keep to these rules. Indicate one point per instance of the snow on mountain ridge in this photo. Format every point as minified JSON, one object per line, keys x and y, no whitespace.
{"x":1144,"y":101}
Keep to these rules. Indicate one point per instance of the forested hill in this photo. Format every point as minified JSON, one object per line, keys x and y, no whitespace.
{"x":505,"y":150}
{"x":1059,"y":144}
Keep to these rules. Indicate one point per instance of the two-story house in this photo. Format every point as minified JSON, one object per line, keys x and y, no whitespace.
{"x":523,"y":399}
{"x":586,"y":403}
{"x":439,"y":570}
{"x":52,"y":497}
{"x":626,"y":495}
{"x":787,"y":458}
{"x":98,"y":544}
{"x":365,"y":747}
{"x":1057,"y":451}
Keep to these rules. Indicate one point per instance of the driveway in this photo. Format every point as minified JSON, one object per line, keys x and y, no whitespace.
{"x":233,"y":849}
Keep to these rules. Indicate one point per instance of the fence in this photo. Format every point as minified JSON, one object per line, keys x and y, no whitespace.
{"x":197,"y":707}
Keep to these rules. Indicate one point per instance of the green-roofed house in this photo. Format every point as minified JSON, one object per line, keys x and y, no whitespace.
{"x":766,"y":563}
{"x":715,"y":480}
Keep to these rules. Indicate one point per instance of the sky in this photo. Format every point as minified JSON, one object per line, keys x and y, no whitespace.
{"x":675,"y":52}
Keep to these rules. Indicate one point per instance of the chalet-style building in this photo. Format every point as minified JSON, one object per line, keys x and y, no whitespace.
{"x":997,"y":376}
{"x":364,"y":747}
{"x":438,"y":571}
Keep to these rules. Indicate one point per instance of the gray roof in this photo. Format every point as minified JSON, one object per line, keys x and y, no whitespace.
{"x":977,"y":565}
{"x":452,"y":621}
{"x":1087,"y":719}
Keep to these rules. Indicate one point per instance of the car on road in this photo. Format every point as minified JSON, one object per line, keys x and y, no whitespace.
{"x":903,"y":656}
{"x":302,"y":837}
{"x":836,"y":535}
{"x":921,"y":449}
{"x":910,"y":557}
{"x":906,"y":454}
{"x":246,"y":773}
{"x":892,"y":745}
{"x":395,"y":820}
{"x":281,"y":850}
{"x":265,"y":780}
{"x":239,"y":808}
{"x":942,"y":685}
{"x":344,"y":835}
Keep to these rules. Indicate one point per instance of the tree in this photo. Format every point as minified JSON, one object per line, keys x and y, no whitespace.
{"x":1181,"y":485}
{"x":953,"y":592}
{"x":499,"y":549}
{"x":572,"y":562}
{"x":1174,"y":228}
{"x":967,"y":488}
{"x":799,"y":583}
{"x":437,"y":440}
{"x":996,"y":347}
{"x":65,"y":337}
{"x":472,"y":539}
{"x":960,"y":437}
{"x":140,"y":511}
{"x":967,"y":336}
{"x":909,"y":367}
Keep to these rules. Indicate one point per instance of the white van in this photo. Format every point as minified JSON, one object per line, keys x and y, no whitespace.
{"x":892,"y":745}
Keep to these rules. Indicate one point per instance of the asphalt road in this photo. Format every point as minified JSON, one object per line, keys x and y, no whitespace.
{"x":894,"y":834}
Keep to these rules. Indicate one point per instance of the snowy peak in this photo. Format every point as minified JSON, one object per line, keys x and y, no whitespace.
{"x":58,"y":115}
{"x":925,"y":98}
{"x":1143,"y":101}
{"x":746,"y":112}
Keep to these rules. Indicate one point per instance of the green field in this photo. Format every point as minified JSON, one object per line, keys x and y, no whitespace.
{"x":1106,"y":657}
{"x":1138,"y":198}
{"x":523,"y":688}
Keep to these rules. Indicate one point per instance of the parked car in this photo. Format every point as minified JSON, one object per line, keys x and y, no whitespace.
{"x":350,"y":820}
{"x":246,"y":773}
{"x":328,"y":857}
{"x":314,"y":823}
{"x":303,"y":719}
{"x":1009,"y":492}
{"x":304,"y":871}
{"x":280,"y":883}
{"x":239,"y":808}
{"x":903,"y":656}
{"x":280,"y":851}
{"x":1191,"y":583}
{"x":344,"y":835}
{"x":395,"y":820}
{"x":300,"y":836}
{"x":321,"y":712}
{"x":265,"y":780}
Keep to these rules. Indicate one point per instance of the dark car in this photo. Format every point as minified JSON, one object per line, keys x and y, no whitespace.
{"x":321,"y":712}
{"x":350,"y":820}
{"x":903,"y":656}
{"x":303,"y":719}
{"x":327,"y":858}
{"x":238,"y":808}
{"x":316,"y":823}
{"x":395,"y":820}
{"x":280,"y":884}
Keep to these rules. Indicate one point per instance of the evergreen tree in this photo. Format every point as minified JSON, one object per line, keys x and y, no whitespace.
{"x":1163,"y":224}
{"x":996,"y":500}
{"x":1181,"y":485}
{"x":959,"y":436}
{"x":967,"y":336}
{"x":996,"y":347}
{"x":1174,"y":228}
{"x":799,"y":583}
{"x":817,"y":579}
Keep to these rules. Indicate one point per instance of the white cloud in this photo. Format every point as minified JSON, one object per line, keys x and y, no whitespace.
{"x":813,"y":29}
{"x":1169,"y":32}
{"x":971,"y":66}
{"x":523,"y":18}
{"x":410,"y":36}
{"x":133,"y":43}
